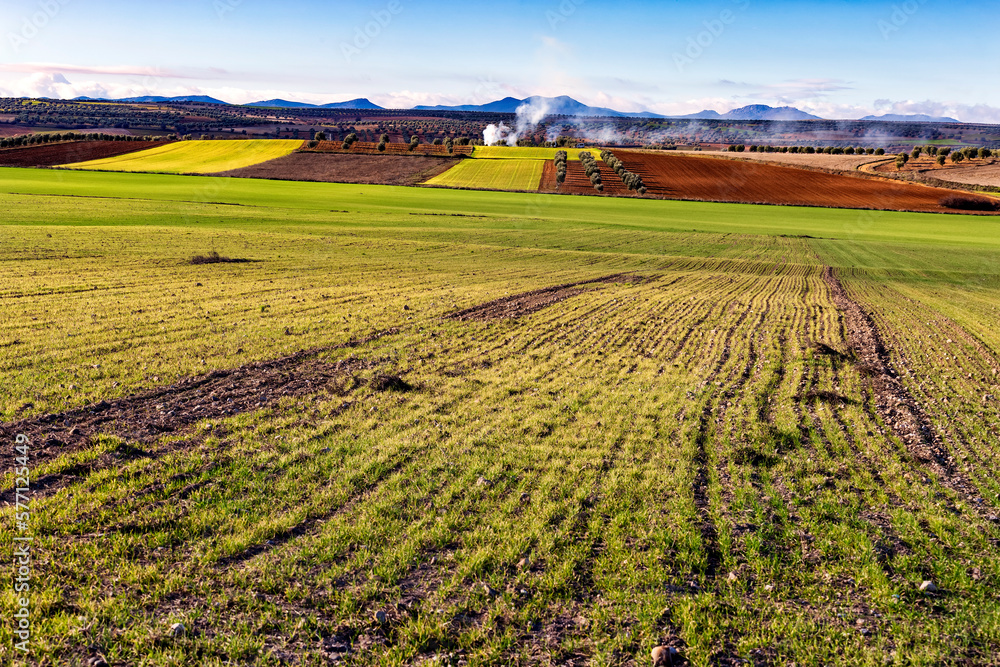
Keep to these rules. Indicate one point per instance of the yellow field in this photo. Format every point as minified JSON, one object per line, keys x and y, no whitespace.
{"x":525,"y":174}
{"x":195,"y":157}
{"x":528,"y":153}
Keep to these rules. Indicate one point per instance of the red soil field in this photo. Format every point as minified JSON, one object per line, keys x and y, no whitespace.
{"x":370,"y":148}
{"x":50,"y":155}
{"x":346,"y":168}
{"x":577,"y":182}
{"x":722,"y":180}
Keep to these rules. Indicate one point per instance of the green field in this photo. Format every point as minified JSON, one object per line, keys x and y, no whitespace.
{"x":528,"y":153}
{"x":195,"y":157}
{"x":492,"y":174}
{"x":664,"y":458}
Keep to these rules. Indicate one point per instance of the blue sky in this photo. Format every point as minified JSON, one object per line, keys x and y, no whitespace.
{"x":838,"y":59}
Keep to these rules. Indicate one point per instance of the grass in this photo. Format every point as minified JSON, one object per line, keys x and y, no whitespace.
{"x":492,"y":174}
{"x":195,"y":157}
{"x":638,"y":441}
{"x":528,"y":153}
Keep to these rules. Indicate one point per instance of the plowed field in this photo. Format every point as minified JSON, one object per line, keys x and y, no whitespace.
{"x":714,"y":179}
{"x":371,"y":148}
{"x":578,"y":183}
{"x":50,"y":155}
{"x":327,"y":168}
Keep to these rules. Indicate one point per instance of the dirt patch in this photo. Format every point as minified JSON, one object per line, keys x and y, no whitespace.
{"x":893,"y":402}
{"x":51,"y":155}
{"x":519,"y":305}
{"x":215,"y":258}
{"x":146,"y":416}
{"x":348,"y":168}
{"x":728,"y":180}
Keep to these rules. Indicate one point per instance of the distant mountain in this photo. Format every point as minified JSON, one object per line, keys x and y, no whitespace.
{"x":913,"y":118}
{"x":752,"y":112}
{"x":282,"y":104}
{"x":558,"y":106}
{"x":707,"y":114}
{"x":205,"y":99}
{"x":764,"y":112}
{"x":360,"y":103}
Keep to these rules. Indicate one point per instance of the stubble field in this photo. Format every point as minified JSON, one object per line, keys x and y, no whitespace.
{"x":420,"y":426}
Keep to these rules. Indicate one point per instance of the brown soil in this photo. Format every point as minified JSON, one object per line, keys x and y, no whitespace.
{"x":144,"y":417}
{"x":50,"y":155}
{"x":526,"y":303}
{"x":894,"y":403}
{"x":825,"y":161}
{"x":985,"y":172}
{"x":347,"y":168}
{"x":370,"y":148}
{"x":578,"y":183}
{"x":725,"y":180}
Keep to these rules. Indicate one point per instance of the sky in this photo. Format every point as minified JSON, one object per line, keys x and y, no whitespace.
{"x":833,"y":58}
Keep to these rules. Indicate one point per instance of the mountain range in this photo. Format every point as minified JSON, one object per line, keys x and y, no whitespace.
{"x":917,"y":118}
{"x":560,"y":106}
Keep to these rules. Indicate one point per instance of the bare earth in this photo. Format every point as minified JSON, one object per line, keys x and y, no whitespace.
{"x":821,"y":160}
{"x":347,"y":168}
{"x":974,"y":172}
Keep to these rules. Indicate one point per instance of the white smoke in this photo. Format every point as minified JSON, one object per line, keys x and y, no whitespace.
{"x":494,"y":134}
{"x":530,"y":113}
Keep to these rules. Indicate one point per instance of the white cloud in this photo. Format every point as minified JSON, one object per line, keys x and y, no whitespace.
{"x":116,"y":70}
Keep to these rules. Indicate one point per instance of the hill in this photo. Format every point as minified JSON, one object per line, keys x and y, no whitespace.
{"x":913,"y":118}
{"x":205,"y":99}
{"x":558,"y":106}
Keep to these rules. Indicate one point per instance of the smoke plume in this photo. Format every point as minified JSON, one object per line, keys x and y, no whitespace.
{"x":530,"y":113}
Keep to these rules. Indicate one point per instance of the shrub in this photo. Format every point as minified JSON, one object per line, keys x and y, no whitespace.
{"x":879,"y":151}
{"x":970,"y":203}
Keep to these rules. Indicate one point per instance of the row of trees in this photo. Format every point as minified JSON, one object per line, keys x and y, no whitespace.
{"x":631,"y":180}
{"x":830,"y":150}
{"x":592,"y":170}
{"x":55,"y":137}
{"x":560,"y":161}
{"x":967,"y":153}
